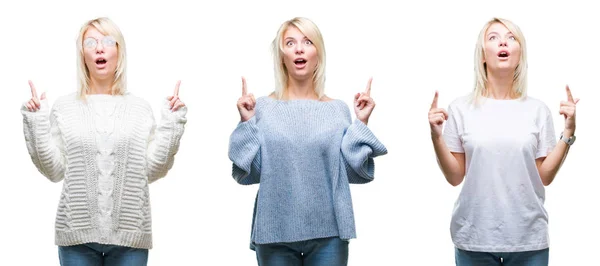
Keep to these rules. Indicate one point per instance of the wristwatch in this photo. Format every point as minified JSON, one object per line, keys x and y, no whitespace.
{"x":569,"y":140}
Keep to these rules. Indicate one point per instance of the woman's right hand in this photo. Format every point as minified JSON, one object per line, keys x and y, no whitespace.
{"x":34,"y":103}
{"x":437,"y":116}
{"x":246,"y":103}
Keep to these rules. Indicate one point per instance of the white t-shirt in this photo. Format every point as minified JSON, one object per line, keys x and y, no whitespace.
{"x":501,"y":205}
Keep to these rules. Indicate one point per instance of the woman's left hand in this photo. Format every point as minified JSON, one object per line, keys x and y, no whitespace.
{"x":174,"y":101}
{"x":364,"y":104}
{"x":567,"y":109}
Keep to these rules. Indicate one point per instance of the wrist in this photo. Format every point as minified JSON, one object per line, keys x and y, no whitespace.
{"x":245,"y":118}
{"x":435,"y":137}
{"x":568,"y":132}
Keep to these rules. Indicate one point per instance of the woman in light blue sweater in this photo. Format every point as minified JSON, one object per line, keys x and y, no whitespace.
{"x":304,"y":150}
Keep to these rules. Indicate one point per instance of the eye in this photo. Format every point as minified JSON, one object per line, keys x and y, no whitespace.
{"x":491,"y":38}
{"x":109,"y":41}
{"x":289,"y":43}
{"x":89,"y":42}
{"x":308,"y":42}
{"x":512,"y":38}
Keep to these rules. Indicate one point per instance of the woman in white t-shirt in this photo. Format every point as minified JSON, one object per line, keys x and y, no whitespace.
{"x":502,"y":143}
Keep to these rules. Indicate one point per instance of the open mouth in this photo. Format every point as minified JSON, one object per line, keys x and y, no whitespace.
{"x":503,"y":54}
{"x":100,"y":61}
{"x":300,"y":61}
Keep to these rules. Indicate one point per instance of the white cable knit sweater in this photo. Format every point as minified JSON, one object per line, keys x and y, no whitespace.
{"x":107,"y":149}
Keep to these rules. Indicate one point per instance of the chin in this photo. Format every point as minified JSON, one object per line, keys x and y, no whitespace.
{"x":302,"y":76}
{"x":505,"y":66}
{"x":102,"y":74}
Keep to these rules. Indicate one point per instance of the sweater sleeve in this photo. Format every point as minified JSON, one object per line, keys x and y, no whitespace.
{"x":359,"y":147}
{"x":244,"y":152}
{"x":164,"y":141}
{"x":44,"y":141}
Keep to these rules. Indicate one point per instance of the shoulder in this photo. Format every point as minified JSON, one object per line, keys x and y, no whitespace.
{"x":266,"y":99}
{"x":66,"y":99}
{"x":136,"y":101}
{"x":462,"y":103}
{"x":463,"y":100}
{"x":337,"y":103}
{"x":263,"y":101}
{"x":339,"y":107}
{"x":534,"y":101}
{"x":537,"y":105}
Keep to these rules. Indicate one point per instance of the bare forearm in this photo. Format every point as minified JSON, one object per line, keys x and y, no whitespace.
{"x":550,"y":166}
{"x":448,"y":163}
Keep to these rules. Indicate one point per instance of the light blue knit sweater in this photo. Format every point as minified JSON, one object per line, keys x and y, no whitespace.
{"x":304,"y":154}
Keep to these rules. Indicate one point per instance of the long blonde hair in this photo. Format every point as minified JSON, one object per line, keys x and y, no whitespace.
{"x":519,"y":85}
{"x":107,"y":27}
{"x":312,"y":32}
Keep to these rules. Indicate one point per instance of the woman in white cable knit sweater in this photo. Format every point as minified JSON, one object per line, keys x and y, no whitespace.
{"x":104,"y":143}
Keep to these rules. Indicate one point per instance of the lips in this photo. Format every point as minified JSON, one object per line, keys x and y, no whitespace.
{"x":503,"y":54}
{"x":100,"y":61}
{"x":300,"y":62}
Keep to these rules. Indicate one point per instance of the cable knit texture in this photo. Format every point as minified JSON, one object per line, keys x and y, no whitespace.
{"x":107,"y":149}
{"x":304,"y":154}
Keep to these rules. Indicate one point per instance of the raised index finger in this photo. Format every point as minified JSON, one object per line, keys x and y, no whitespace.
{"x":368,"y":90}
{"x":435,"y":100}
{"x":569,"y":95}
{"x":33,"y":92}
{"x":244,"y":89}
{"x":176,"y":92}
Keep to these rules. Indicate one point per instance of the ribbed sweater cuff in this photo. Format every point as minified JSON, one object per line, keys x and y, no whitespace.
{"x":243,"y":148}
{"x":359,"y":147}
{"x":364,"y":136}
{"x":178,"y":116}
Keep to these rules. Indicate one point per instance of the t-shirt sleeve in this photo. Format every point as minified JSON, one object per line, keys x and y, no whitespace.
{"x":452,"y":134}
{"x":546,"y":138}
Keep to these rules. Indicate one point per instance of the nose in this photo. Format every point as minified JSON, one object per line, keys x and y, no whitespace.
{"x":299,"y":49}
{"x":503,"y":42}
{"x":99,"y":48}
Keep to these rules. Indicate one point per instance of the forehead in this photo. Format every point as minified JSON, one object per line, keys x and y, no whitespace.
{"x":497,"y":27}
{"x":93,"y":32}
{"x":293,"y":32}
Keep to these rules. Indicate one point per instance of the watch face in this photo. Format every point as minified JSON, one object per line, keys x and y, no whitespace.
{"x":569,"y":141}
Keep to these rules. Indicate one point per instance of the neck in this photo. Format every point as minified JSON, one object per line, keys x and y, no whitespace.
{"x":300,"y":89}
{"x":100,"y":86}
{"x":500,"y":85}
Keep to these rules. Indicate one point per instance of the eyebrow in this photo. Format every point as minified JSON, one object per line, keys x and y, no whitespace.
{"x":292,"y":38}
{"x":493,"y":32}
{"x":103,"y":36}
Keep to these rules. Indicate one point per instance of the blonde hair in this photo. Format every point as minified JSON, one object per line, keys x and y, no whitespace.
{"x":519,"y":85}
{"x":107,"y":27}
{"x":312,"y":32}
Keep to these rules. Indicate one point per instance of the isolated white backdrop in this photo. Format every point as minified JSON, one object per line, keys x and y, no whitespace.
{"x":200,"y":215}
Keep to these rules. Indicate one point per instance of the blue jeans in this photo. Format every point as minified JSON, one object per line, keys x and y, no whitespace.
{"x":525,"y":258}
{"x":94,"y":254}
{"x":331,"y":251}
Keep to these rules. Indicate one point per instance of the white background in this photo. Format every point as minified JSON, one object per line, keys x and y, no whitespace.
{"x":201,"y":216}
